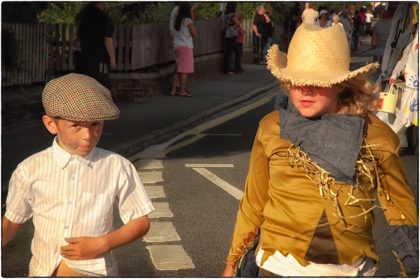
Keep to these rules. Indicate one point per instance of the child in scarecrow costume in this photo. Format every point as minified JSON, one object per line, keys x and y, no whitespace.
{"x":316,"y":169}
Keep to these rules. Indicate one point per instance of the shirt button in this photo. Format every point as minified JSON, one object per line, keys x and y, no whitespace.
{"x":66,"y":227}
{"x":70,"y":203}
{"x":72,"y":178}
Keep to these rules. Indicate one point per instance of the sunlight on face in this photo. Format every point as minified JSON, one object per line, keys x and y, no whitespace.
{"x":313,"y":101}
{"x":78,"y":137}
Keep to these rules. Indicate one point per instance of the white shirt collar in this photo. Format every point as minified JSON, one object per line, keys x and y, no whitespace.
{"x":63,"y":157}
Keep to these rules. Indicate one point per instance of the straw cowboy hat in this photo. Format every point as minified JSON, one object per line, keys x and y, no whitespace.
{"x":317,"y":57}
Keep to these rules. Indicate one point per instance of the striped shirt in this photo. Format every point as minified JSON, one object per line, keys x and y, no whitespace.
{"x":72,"y":196}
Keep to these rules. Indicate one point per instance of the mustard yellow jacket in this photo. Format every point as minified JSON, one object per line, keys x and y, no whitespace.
{"x":286,"y":198}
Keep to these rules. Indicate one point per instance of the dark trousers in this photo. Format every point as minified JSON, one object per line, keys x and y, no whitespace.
{"x":93,"y":68}
{"x":258,"y":47}
{"x":228,"y":53}
{"x":239,"y":50}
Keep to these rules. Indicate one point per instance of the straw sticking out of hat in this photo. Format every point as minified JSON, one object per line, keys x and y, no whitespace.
{"x":317,"y":57}
{"x":78,"y":97}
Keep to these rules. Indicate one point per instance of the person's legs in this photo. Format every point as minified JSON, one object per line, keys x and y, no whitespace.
{"x":262,"y":49}
{"x":267,"y":47}
{"x":255,"y":48}
{"x":183,"y":85}
{"x":175,"y":84}
{"x":182,"y":82}
{"x":238,"y":57}
{"x":241,"y":52}
{"x":229,"y":48}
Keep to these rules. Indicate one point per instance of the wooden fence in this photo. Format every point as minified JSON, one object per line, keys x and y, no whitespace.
{"x":31,"y":54}
{"x":48,"y":49}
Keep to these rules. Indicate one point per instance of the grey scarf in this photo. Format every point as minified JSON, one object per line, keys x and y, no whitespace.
{"x":333,"y":141}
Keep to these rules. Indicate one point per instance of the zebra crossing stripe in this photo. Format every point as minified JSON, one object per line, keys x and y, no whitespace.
{"x":150,"y":177}
{"x":162,"y":210}
{"x":164,"y":256}
{"x":148,"y":164}
{"x":161,"y":232}
{"x":155,"y":192}
{"x":169,"y":257}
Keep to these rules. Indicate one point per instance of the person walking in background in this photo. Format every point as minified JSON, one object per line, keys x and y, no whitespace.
{"x":95,"y":30}
{"x":356,"y":24}
{"x":369,"y":17}
{"x":316,"y":170}
{"x":323,"y":21}
{"x":184,"y":33}
{"x":70,"y":190}
{"x":259,"y":34}
{"x":310,"y":15}
{"x":380,"y":33}
{"x":270,"y":31}
{"x":239,"y":46}
{"x":231,"y":23}
{"x":347,"y":25}
{"x":172,"y":18}
{"x":261,"y":30}
{"x":362,"y":16}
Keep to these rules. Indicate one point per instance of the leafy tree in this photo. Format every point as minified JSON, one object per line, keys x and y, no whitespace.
{"x":247,"y":9}
{"x":207,"y":10}
{"x":140,"y":12}
{"x":60,"y":12}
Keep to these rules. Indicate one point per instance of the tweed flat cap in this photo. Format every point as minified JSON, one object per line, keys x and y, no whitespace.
{"x":77,"y":97}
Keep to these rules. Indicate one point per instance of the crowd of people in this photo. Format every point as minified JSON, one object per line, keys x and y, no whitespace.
{"x":356,"y":22}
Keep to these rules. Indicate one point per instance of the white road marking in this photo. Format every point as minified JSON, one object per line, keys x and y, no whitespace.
{"x":233,"y":191}
{"x":148,"y":164}
{"x":155,"y":192}
{"x":161,"y":232}
{"x":150,"y":176}
{"x":209,"y":165}
{"x":169,"y":257}
{"x":161,"y":210}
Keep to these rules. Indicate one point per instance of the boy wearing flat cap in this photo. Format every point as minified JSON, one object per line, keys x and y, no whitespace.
{"x":71,"y":188}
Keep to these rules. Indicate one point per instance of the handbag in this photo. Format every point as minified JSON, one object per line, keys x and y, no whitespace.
{"x":231,"y":31}
{"x":230,"y":28}
{"x":387,"y":100}
{"x":247,"y":266}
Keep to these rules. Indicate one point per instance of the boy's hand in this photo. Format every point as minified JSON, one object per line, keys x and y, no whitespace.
{"x":84,"y":248}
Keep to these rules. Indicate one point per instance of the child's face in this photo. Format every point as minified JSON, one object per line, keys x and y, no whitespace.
{"x":313,"y":101}
{"x":75,"y":137}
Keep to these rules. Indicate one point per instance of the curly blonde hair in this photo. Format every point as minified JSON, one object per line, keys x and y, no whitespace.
{"x":359,"y":96}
